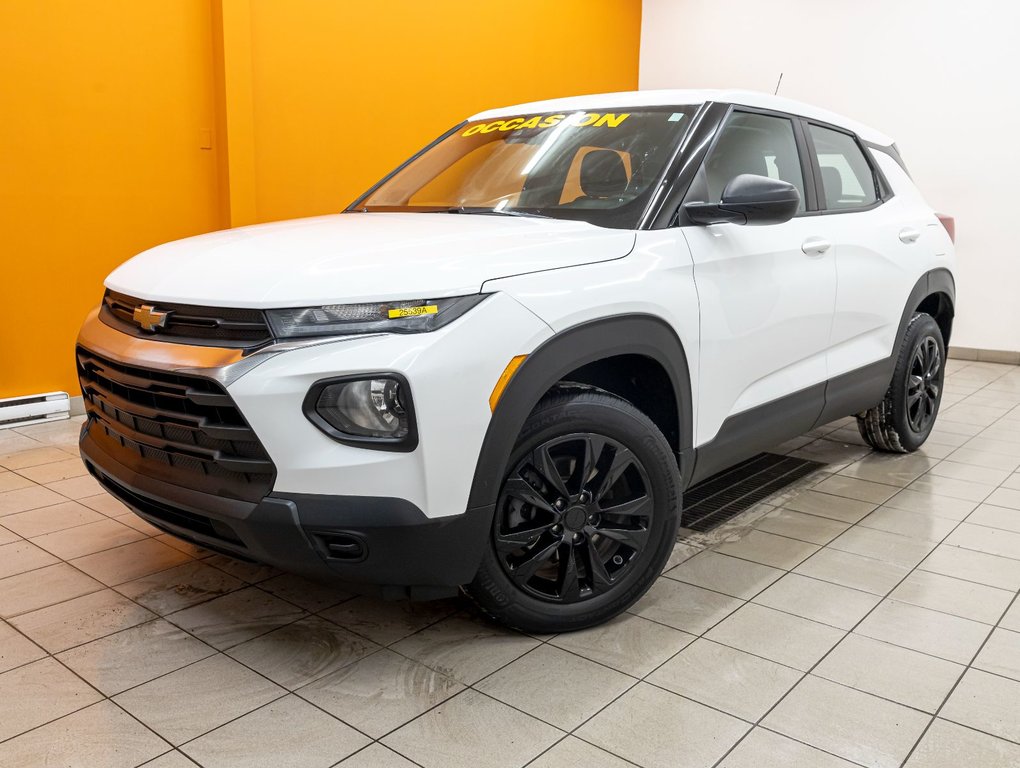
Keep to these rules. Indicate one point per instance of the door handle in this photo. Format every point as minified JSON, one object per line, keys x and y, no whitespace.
{"x":909,"y":235}
{"x":815,"y":246}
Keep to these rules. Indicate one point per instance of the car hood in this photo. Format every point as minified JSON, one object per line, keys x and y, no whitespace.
{"x":357,"y":257}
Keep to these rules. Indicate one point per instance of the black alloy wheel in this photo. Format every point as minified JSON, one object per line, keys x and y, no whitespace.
{"x":586,"y":516}
{"x":904,"y":418}
{"x":574,"y":515}
{"x":924,"y":385}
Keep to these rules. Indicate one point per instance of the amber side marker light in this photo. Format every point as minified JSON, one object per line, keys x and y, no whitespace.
{"x":504,"y":379}
{"x":949,"y":223}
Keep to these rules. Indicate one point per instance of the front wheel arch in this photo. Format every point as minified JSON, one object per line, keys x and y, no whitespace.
{"x":581,"y":345}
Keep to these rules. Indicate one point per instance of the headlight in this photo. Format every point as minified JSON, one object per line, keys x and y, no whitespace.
{"x":416,"y":316}
{"x":372,"y":410}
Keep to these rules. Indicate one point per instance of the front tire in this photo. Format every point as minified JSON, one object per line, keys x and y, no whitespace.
{"x":586,"y":518}
{"x":905,"y":417}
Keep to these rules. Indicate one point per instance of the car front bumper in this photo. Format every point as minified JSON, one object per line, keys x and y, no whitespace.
{"x":395,"y":550}
{"x":396,"y":521}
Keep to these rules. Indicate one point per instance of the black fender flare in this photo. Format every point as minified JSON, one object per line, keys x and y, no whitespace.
{"x":930,"y":283}
{"x":588,"y":342}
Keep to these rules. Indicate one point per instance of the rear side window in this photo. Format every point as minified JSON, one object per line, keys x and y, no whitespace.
{"x":750,"y":143}
{"x":847,"y":178}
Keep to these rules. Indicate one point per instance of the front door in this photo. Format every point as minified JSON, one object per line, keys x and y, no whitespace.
{"x":767,"y":294}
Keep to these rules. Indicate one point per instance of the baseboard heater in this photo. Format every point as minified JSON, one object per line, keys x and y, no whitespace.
{"x":34,"y":409}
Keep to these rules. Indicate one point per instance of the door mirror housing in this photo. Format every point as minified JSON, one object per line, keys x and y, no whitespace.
{"x":749,"y":199}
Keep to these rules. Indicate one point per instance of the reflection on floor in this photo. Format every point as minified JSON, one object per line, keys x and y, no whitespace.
{"x":865,"y":616}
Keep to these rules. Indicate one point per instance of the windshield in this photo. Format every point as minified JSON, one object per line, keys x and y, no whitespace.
{"x":598,"y":166}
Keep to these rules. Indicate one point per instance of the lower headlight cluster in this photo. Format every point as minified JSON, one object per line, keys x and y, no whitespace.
{"x":372,"y":411}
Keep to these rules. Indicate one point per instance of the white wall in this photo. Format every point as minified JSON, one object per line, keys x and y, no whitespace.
{"x":942,"y":77}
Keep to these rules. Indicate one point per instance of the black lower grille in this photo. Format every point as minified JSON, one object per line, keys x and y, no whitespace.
{"x":180,"y":518}
{"x":188,"y":324}
{"x":176,"y":428}
{"x":718,"y":498}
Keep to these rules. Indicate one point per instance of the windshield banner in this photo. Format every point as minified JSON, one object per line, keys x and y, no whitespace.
{"x":578,"y":119}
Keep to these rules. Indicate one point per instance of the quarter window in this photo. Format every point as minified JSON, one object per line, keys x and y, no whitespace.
{"x":847,"y":178}
{"x":751,"y":143}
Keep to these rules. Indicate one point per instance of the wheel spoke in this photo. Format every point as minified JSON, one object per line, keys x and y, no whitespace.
{"x":512,"y":540}
{"x":639,"y":507}
{"x":914,"y":383}
{"x":913,"y":397}
{"x":522,"y":572}
{"x":594,"y":447}
{"x":600,"y":578}
{"x":521,"y":489}
{"x":622,"y":458}
{"x":545,"y":465}
{"x":634,"y":538}
{"x":570,"y":586}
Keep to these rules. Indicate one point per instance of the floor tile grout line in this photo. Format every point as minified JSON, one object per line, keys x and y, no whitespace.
{"x":566,"y":734}
{"x":644,"y":678}
{"x":103,"y":518}
{"x":286,"y":692}
{"x":49,"y":506}
{"x":551,"y":747}
{"x":103,"y":697}
{"x":830,"y":626}
{"x":98,"y":551}
{"x":121,"y":584}
{"x":826,"y":655}
{"x":798,"y":741}
{"x":215,"y":650}
{"x":103,"y":587}
{"x":885,"y":596}
{"x":414,"y":661}
{"x":841,"y":629}
{"x":369,"y":745}
{"x":222,"y":652}
{"x":969,"y":728}
{"x":969,"y":666}
{"x":5,"y":468}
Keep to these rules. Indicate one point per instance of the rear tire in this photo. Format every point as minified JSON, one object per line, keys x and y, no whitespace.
{"x":905,"y":417}
{"x":586,"y":518}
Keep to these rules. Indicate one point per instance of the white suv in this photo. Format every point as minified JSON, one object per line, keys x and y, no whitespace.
{"x":500,"y":367}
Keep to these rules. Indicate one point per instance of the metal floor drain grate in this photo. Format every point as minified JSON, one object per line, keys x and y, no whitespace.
{"x":720,"y":497}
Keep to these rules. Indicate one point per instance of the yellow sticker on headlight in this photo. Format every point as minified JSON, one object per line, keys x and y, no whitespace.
{"x":428,"y":309}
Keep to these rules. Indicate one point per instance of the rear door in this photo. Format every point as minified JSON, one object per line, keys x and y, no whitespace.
{"x":767,"y":293}
{"x":879,"y":249}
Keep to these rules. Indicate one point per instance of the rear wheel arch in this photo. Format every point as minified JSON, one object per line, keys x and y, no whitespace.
{"x":933,"y":294}
{"x":940,"y":306}
{"x":593,"y":353}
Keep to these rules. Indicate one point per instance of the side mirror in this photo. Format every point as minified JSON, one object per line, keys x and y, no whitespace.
{"x":749,"y":199}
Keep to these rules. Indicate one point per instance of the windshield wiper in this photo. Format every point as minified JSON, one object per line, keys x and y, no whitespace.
{"x":496,"y":212}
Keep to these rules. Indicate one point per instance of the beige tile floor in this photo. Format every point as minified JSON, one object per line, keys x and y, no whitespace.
{"x":867,"y":616}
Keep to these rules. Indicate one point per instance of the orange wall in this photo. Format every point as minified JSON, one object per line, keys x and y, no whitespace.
{"x":103,"y":105}
{"x":344,"y":91}
{"x":107,"y":105}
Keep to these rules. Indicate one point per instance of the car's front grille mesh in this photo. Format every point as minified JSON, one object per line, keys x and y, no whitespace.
{"x":177,"y":428}
{"x":219,"y":326}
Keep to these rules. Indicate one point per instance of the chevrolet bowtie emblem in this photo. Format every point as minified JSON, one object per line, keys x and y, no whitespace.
{"x":149,"y":318}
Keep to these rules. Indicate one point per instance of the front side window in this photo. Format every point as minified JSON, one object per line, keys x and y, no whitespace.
{"x":847,"y":179}
{"x":751,"y":143}
{"x":599,"y":166}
